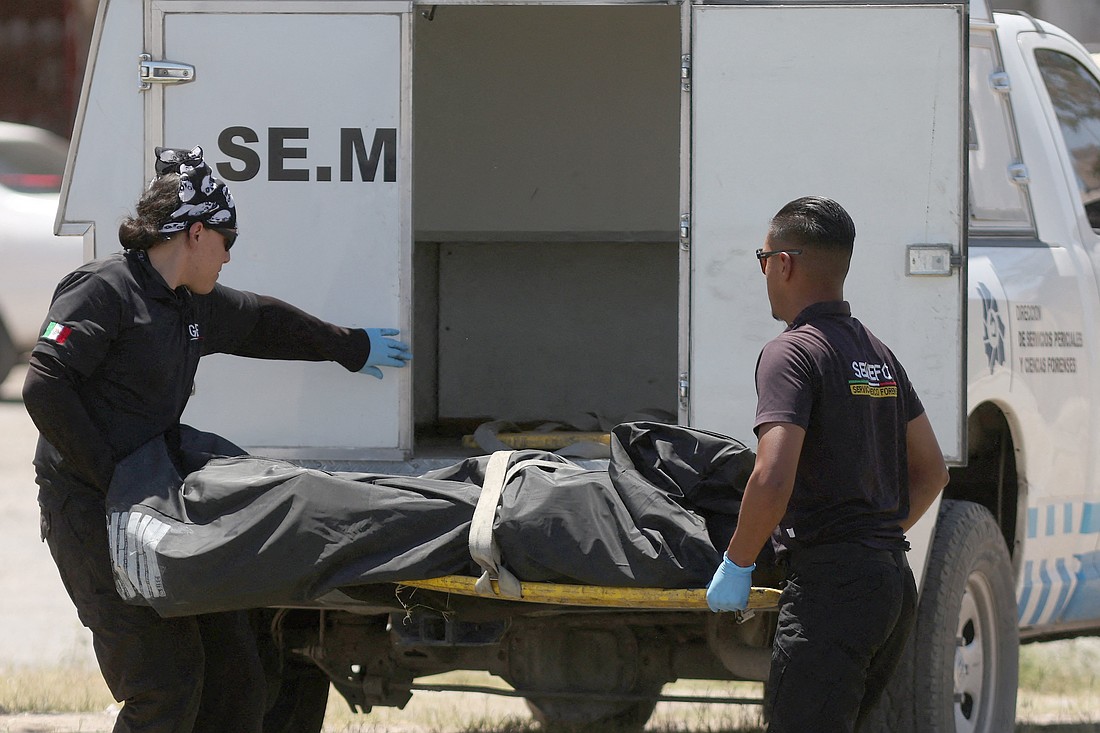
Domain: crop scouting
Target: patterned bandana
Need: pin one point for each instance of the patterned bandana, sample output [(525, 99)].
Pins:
[(203, 197)]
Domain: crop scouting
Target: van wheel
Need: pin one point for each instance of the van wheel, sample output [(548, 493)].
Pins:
[(583, 666), (577, 715), (297, 699), (967, 644)]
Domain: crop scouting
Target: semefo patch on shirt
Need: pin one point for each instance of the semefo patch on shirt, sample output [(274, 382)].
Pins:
[(56, 332), (872, 380)]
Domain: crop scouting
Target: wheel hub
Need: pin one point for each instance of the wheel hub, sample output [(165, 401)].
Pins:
[(971, 657)]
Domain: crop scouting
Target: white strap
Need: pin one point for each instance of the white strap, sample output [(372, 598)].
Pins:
[(483, 546)]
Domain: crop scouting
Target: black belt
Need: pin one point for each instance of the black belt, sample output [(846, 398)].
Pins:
[(842, 551)]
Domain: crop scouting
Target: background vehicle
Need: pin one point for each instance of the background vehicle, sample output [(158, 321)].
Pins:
[(580, 192), (33, 259)]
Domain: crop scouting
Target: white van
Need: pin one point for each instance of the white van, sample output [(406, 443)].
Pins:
[(559, 201)]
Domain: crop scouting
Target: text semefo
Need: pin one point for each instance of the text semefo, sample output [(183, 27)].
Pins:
[(234, 142)]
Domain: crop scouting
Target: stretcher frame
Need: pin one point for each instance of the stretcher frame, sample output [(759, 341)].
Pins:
[(680, 599)]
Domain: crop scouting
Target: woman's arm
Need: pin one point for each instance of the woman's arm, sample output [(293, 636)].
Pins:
[(53, 402)]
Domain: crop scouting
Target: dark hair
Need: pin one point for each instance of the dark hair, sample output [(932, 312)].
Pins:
[(814, 221), (155, 207)]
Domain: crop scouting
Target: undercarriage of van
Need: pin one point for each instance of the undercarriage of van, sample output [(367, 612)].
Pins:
[(584, 667)]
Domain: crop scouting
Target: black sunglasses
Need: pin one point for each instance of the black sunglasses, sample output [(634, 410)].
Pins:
[(763, 256), (229, 234)]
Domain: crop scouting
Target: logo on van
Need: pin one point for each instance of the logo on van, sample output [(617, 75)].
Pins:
[(288, 153), (993, 329)]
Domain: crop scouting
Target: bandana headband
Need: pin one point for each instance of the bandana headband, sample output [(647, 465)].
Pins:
[(203, 196)]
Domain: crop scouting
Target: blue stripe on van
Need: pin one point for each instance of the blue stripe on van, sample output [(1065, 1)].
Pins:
[(1032, 523), (1085, 603), (1090, 518), (1025, 592), (1044, 592), (1063, 593)]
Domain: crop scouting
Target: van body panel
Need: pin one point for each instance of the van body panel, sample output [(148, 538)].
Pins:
[(896, 165), (324, 189)]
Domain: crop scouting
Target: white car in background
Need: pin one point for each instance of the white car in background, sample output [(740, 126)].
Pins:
[(32, 258)]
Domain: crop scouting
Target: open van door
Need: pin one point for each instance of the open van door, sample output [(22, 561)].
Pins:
[(310, 132), (864, 104), (861, 103)]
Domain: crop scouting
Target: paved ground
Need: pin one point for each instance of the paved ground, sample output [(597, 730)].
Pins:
[(37, 622)]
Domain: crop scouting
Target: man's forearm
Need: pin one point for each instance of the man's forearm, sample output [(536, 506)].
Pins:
[(926, 470), (768, 490), (762, 508)]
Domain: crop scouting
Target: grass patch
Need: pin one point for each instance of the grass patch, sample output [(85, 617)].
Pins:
[(454, 712), (1068, 667), (1059, 686), (1059, 691), (67, 689)]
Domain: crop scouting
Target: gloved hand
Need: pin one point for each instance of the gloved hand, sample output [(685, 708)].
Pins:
[(385, 351), (729, 588)]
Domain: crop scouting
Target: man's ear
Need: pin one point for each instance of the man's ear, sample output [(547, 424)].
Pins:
[(787, 261), (194, 230)]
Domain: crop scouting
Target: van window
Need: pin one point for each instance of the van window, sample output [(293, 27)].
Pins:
[(1075, 94), (997, 203)]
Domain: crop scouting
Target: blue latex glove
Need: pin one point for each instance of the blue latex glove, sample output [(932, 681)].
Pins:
[(385, 351), (729, 588)]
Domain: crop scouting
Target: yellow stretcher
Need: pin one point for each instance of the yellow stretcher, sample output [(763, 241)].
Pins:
[(594, 595)]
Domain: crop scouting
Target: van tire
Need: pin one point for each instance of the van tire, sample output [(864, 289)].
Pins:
[(581, 668), (577, 715), (967, 643), (893, 713), (297, 699)]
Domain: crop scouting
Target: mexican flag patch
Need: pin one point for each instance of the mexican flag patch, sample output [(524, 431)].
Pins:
[(56, 332)]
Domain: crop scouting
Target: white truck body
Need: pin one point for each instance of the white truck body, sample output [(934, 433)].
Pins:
[(1033, 311), (558, 202)]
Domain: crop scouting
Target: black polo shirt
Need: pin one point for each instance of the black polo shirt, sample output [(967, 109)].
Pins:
[(115, 365), (831, 376)]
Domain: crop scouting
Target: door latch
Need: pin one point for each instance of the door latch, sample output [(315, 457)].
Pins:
[(931, 260)]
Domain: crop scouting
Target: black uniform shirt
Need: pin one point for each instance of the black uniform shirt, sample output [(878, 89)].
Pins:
[(115, 365), (829, 375)]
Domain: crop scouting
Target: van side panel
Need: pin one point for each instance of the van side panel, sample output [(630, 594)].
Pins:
[(104, 175)]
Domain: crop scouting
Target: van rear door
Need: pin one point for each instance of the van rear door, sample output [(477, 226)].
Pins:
[(302, 108), (862, 103)]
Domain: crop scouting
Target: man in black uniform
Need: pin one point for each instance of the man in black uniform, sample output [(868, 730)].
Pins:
[(846, 463), (114, 369)]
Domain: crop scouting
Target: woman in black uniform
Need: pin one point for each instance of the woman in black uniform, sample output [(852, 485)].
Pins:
[(114, 369)]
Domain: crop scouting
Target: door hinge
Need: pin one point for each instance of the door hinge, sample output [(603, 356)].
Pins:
[(685, 72), (999, 82), (162, 72), (684, 389), (1017, 173), (685, 231)]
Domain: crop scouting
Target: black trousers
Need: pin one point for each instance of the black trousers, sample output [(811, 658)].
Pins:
[(193, 674), (844, 619)]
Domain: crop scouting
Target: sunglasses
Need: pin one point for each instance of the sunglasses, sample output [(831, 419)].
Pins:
[(230, 236), (763, 256)]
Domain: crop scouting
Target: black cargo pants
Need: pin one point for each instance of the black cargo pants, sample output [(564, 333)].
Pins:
[(193, 674), (844, 619)]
